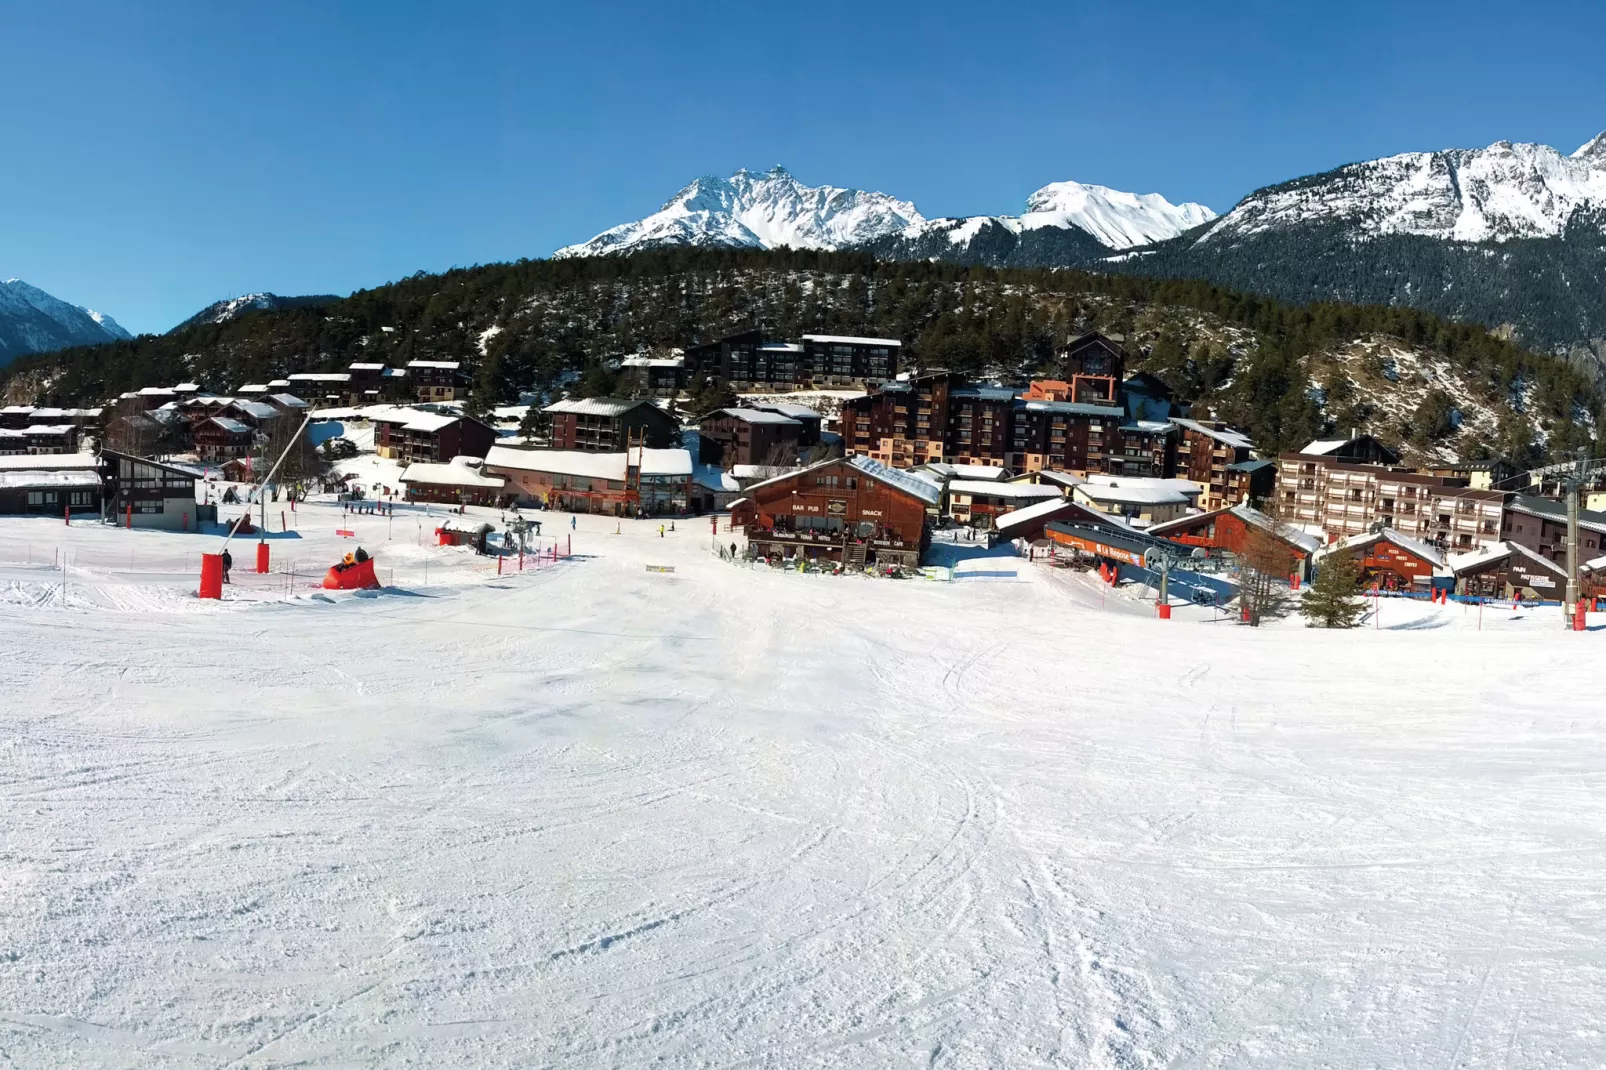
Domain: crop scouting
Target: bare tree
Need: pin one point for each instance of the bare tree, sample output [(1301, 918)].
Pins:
[(1264, 565)]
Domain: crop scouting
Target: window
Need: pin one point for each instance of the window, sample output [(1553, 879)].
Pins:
[(148, 505)]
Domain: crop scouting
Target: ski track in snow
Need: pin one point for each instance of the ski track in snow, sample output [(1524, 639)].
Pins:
[(594, 816)]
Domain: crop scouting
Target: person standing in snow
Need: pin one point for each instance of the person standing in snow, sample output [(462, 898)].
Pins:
[(228, 563), (572, 521)]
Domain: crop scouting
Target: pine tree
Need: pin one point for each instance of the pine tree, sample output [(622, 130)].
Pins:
[(1334, 600)]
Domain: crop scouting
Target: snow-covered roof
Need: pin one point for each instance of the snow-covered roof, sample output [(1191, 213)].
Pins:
[(1124, 494), (780, 347), (1288, 533), (37, 479), (257, 410), (1064, 479), (1546, 509), (49, 429), (1488, 555), (252, 388), (16, 409), (420, 420), (465, 525), (444, 365), (796, 412), (653, 362), (290, 401), (978, 488), (594, 406), (1078, 408), (1185, 487), (851, 340), (1236, 439), (924, 489), (1323, 446), (754, 416), (670, 462), (365, 367), (764, 471), (1026, 514), (233, 427), (459, 472), (319, 377), (1417, 547)]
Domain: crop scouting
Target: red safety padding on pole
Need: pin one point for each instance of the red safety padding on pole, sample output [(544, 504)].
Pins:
[(1165, 610), (211, 576), (1293, 581), (262, 557)]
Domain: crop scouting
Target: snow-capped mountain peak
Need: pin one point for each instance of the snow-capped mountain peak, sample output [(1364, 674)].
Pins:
[(770, 209), (33, 321), (758, 210), (1593, 151), (1117, 219), (1505, 191)]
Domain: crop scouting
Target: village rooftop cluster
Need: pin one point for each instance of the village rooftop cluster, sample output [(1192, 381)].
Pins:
[(1094, 464)]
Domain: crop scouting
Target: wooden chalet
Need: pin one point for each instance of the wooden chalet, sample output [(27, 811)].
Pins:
[(460, 481), (1389, 559), (610, 425), (852, 510), (635, 482), (740, 435), (1229, 529), (1093, 365), (413, 435), (1505, 569)]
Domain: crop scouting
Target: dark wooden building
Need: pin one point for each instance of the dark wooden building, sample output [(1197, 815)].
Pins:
[(1065, 436), (1388, 559), (435, 380), (610, 425), (50, 485), (1230, 528), (145, 493), (749, 436), (1093, 365), (849, 509), (847, 360), (1506, 568), (1540, 524), (412, 435), (1207, 450)]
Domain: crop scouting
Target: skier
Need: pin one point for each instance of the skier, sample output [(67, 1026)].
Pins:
[(228, 563), (573, 522), (660, 531)]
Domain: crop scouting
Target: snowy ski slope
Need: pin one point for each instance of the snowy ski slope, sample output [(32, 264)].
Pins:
[(598, 816)]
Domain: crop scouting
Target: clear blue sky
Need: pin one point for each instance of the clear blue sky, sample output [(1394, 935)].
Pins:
[(156, 157)]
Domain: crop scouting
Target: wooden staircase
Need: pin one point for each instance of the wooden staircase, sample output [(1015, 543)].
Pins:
[(853, 554)]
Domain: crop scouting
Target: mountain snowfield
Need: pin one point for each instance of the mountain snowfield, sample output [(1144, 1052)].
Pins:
[(32, 320), (774, 209), (1503, 192)]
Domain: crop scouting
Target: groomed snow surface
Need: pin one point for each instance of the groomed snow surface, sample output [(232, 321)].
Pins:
[(592, 815)]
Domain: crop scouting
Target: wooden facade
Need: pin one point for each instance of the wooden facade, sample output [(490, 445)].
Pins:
[(609, 425), (749, 436), (851, 510), (1388, 560), (1504, 572)]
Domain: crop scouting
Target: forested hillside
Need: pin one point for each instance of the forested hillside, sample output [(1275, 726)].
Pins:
[(1277, 369)]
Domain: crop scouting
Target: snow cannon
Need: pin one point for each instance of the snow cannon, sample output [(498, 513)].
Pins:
[(353, 577)]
